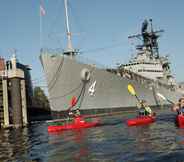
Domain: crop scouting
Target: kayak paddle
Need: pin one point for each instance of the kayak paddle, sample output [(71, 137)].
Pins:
[(73, 102), (164, 98), (132, 91)]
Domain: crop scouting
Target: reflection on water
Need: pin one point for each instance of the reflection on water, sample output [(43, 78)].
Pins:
[(74, 145), (114, 141), (14, 143)]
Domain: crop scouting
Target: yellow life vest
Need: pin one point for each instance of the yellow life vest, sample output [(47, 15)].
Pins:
[(148, 109)]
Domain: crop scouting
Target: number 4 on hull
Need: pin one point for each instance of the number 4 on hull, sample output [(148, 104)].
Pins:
[(92, 89)]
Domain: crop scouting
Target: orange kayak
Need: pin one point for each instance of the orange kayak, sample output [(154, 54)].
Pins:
[(76, 123), (141, 120), (180, 120)]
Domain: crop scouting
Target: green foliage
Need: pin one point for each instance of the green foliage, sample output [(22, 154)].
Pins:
[(40, 99)]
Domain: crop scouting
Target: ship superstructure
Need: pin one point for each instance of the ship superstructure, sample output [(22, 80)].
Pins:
[(148, 62)]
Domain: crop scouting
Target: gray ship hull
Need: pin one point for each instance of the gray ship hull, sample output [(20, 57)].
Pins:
[(63, 75)]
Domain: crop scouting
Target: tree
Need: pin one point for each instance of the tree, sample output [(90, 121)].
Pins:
[(40, 99)]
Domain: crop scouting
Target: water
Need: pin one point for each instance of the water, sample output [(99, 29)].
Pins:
[(114, 141)]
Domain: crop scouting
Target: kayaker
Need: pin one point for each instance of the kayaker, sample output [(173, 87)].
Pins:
[(74, 114), (144, 109), (70, 115), (179, 107)]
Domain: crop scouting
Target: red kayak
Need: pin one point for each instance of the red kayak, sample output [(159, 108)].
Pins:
[(180, 120), (141, 120), (76, 123)]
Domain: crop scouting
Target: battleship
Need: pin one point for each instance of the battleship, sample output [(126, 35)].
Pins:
[(98, 88)]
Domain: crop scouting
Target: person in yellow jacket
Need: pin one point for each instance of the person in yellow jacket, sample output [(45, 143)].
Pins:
[(144, 109)]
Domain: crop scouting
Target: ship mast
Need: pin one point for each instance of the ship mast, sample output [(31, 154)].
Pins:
[(69, 50), (149, 39)]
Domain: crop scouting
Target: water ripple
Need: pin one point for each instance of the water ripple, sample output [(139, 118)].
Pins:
[(113, 141)]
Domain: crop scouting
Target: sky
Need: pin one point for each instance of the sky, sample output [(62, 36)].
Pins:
[(100, 30)]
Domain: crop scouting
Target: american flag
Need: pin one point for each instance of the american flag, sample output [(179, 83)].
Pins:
[(42, 10)]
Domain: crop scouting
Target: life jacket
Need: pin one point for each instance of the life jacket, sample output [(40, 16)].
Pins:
[(144, 111), (148, 109)]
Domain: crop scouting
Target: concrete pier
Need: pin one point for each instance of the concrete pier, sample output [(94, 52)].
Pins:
[(13, 101), (16, 102), (24, 103), (5, 103)]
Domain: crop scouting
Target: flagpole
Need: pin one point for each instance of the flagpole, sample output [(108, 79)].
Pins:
[(40, 28), (42, 13), (69, 45)]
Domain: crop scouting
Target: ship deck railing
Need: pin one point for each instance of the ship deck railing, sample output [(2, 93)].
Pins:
[(143, 80)]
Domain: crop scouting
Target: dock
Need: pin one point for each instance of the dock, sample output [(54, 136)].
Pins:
[(13, 92)]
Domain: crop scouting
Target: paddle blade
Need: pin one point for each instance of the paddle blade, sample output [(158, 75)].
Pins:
[(161, 96), (131, 90), (73, 101), (164, 98)]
